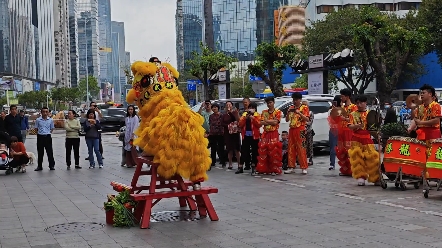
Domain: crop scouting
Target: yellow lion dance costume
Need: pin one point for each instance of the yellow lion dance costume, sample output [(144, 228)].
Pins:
[(169, 129)]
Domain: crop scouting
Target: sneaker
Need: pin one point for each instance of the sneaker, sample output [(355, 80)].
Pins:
[(239, 171), (304, 172), (68, 167), (361, 182), (77, 167), (332, 167), (91, 166), (289, 171), (100, 166)]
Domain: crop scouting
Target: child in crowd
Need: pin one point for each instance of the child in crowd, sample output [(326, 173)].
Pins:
[(3, 154), (285, 145)]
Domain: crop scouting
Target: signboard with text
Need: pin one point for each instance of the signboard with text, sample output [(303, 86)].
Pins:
[(315, 83)]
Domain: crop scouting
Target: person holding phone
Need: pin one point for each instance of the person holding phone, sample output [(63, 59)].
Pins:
[(98, 115), (250, 123), (333, 133), (298, 116), (92, 127)]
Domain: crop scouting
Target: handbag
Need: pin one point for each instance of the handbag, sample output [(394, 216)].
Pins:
[(233, 127)]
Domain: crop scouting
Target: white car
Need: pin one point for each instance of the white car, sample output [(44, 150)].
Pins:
[(319, 105)]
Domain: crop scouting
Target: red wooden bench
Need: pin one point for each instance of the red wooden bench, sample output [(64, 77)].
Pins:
[(178, 188)]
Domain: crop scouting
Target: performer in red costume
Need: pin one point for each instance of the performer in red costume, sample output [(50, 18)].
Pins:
[(270, 149), (345, 134)]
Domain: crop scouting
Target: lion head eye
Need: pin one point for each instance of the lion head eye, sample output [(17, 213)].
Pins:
[(145, 81)]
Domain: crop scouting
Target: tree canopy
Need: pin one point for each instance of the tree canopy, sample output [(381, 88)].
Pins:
[(94, 88), (331, 36), (210, 62), (391, 45), (387, 47), (271, 61), (33, 99), (430, 15)]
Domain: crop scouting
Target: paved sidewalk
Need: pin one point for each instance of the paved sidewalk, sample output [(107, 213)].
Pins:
[(320, 209)]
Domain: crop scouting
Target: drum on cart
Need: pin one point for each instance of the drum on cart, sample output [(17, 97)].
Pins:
[(405, 154), (434, 162)]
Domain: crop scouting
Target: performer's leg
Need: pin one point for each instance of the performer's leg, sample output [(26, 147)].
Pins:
[(301, 143), (344, 145), (292, 152), (372, 163), (357, 163), (261, 167)]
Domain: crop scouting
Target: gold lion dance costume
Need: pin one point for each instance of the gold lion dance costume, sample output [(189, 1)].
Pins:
[(364, 158), (169, 129)]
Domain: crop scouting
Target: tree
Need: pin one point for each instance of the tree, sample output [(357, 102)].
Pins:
[(331, 36), (271, 61), (33, 99), (430, 16), (301, 82), (94, 88), (391, 44), (65, 95), (129, 75), (210, 62), (238, 91)]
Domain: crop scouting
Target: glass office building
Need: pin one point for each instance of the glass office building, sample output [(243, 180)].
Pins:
[(265, 19), (88, 37), (104, 22), (17, 40), (237, 27), (73, 42)]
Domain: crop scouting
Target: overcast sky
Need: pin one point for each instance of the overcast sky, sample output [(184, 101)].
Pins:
[(149, 28)]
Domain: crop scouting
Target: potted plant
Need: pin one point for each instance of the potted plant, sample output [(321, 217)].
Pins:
[(119, 210)]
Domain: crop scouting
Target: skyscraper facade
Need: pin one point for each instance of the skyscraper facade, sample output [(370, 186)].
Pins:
[(73, 42), (115, 65), (265, 19), (105, 29), (318, 9), (118, 27), (5, 49), (88, 38), (46, 41), (192, 21), (237, 33), (61, 42), (128, 62), (17, 41)]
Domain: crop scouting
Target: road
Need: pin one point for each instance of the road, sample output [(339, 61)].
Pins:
[(320, 209)]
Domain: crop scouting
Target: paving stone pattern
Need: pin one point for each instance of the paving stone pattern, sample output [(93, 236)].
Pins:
[(320, 209)]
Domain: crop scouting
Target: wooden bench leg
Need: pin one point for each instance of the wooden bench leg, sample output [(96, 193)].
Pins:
[(201, 206), (191, 203), (183, 202), (204, 201), (145, 220), (139, 209)]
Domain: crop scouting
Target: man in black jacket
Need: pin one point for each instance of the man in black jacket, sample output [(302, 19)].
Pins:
[(2, 121), (13, 123)]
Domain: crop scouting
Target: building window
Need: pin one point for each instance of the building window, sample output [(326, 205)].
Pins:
[(325, 9), (407, 6), (349, 6), (384, 6)]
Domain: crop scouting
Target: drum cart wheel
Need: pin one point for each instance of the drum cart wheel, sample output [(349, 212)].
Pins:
[(383, 183), (426, 191), (417, 185), (403, 186)]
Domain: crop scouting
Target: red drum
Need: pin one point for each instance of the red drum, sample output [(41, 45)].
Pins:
[(434, 162), (405, 152)]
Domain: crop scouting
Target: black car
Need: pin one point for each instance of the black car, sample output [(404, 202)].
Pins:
[(112, 120)]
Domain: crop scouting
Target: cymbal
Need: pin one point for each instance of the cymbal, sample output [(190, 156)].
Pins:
[(338, 111), (413, 101)]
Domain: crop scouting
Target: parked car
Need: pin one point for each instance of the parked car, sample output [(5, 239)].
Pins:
[(112, 120), (319, 105)]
